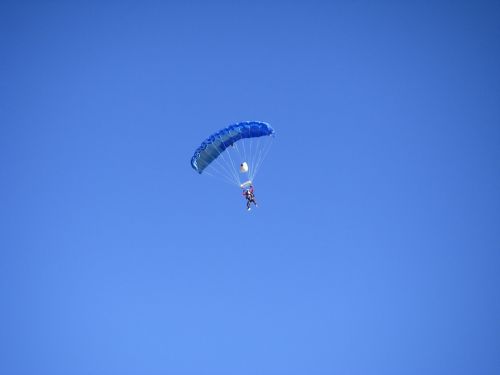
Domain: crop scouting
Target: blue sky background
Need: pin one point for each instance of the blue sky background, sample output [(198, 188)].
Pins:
[(376, 246)]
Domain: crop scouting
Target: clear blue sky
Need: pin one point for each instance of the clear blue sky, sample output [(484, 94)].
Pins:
[(376, 245)]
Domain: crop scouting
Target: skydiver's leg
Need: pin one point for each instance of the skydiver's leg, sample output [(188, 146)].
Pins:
[(248, 204)]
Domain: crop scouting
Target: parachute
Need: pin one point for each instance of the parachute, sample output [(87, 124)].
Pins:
[(235, 153)]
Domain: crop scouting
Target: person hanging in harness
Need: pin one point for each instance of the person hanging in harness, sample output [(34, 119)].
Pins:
[(250, 197)]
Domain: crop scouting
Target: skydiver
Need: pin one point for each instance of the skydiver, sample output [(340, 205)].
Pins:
[(250, 197)]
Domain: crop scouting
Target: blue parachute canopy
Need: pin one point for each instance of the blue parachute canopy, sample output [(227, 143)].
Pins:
[(218, 142)]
